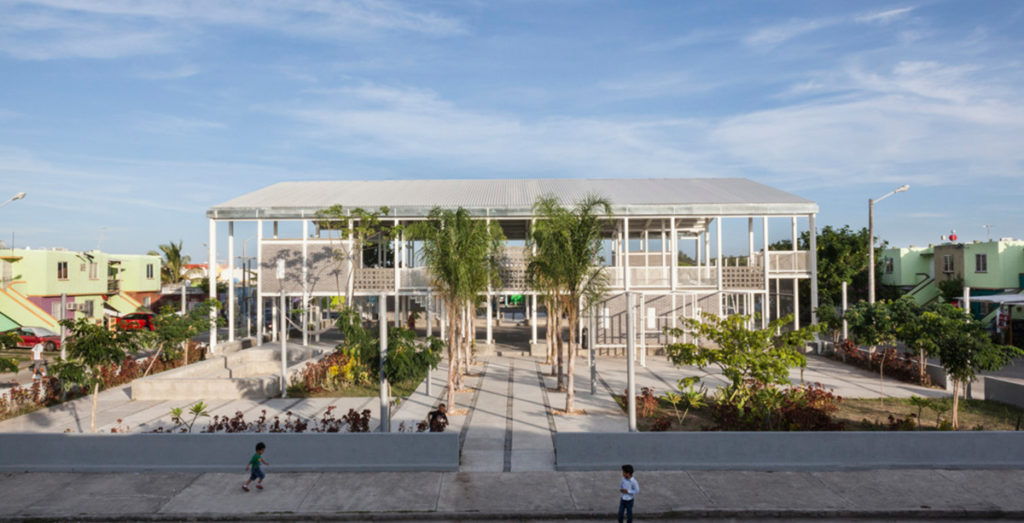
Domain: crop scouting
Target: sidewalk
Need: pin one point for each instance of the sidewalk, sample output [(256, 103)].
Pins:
[(878, 494)]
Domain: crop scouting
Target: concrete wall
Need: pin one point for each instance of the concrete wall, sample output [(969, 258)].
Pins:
[(1004, 390), (326, 272), (229, 452), (788, 450)]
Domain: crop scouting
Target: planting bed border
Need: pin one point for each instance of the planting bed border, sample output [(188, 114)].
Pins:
[(319, 452), (788, 450)]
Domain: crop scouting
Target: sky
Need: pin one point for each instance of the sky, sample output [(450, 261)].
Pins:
[(124, 121)]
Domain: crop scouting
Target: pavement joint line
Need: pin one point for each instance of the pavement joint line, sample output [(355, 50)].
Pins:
[(309, 491), (508, 418), (547, 406), (838, 493), (707, 497), (472, 407)]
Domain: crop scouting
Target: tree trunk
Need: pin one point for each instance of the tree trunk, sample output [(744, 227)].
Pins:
[(152, 360), (569, 392), (452, 369), (956, 404), (186, 352), (560, 348), (95, 402), (922, 364), (548, 340), (472, 335), (458, 330), (881, 379)]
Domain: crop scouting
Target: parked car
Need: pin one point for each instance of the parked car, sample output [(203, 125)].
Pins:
[(30, 336), (136, 321)]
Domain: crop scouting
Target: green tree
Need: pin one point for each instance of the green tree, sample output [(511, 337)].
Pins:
[(873, 324), (89, 348), (951, 289), (568, 246), (462, 257), (173, 266), (830, 321), (747, 357), (8, 341), (964, 348), (173, 330), (911, 330), (359, 226), (842, 256)]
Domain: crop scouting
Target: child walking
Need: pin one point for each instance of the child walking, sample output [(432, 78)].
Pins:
[(628, 487), (257, 473)]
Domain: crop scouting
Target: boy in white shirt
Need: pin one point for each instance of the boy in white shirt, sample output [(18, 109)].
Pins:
[(628, 487), (38, 363)]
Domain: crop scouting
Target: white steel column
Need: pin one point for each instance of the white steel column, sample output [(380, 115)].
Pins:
[(673, 262), (398, 276), (211, 273), (429, 314), (767, 271), (490, 318), (630, 365), (707, 245), (813, 262), (718, 262), (351, 277), (284, 346), (385, 416), (305, 283), (846, 331), (533, 317), (626, 250), (231, 281), (796, 303), (750, 236), (259, 282), (643, 330), (795, 235)]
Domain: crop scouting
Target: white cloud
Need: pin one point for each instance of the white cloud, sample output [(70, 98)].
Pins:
[(177, 73), (884, 16), (417, 125), (173, 125), (50, 29)]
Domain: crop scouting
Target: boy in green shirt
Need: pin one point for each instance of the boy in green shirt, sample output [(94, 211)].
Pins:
[(255, 462)]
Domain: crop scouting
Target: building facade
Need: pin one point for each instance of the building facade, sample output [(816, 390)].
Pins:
[(41, 287), (652, 221)]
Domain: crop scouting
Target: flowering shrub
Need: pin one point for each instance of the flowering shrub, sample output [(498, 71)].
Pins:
[(899, 365), (795, 408), (19, 400), (352, 422)]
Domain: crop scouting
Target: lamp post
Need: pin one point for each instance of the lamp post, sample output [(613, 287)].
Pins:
[(13, 198), (871, 240)]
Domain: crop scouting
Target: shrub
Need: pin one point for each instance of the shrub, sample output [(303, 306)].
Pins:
[(900, 365), (795, 408)]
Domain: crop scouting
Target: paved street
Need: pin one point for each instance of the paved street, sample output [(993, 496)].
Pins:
[(507, 462)]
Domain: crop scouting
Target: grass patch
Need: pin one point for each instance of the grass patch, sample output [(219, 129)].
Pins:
[(19, 355), (863, 414), (871, 414)]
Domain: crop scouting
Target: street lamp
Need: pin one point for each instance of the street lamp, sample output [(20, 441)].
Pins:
[(12, 198), (871, 240)]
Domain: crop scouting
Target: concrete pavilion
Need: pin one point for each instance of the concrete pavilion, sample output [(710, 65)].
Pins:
[(650, 217)]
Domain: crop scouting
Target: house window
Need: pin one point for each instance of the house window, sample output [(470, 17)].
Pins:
[(888, 265), (947, 263), (149, 271), (62, 270), (87, 308), (93, 270), (146, 301), (980, 263)]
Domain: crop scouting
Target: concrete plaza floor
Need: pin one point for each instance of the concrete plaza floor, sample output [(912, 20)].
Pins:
[(507, 462)]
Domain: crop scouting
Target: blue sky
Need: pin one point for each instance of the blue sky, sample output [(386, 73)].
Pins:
[(125, 120)]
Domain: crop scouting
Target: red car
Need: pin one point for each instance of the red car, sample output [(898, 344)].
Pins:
[(136, 321), (30, 336)]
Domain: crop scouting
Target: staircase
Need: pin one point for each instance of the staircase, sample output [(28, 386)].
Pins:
[(21, 310), (924, 292)]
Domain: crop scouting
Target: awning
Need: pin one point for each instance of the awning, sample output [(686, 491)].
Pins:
[(1000, 299)]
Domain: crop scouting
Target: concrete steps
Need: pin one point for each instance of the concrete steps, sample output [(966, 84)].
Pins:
[(246, 374)]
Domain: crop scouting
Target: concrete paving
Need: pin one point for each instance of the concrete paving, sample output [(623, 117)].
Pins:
[(461, 496)]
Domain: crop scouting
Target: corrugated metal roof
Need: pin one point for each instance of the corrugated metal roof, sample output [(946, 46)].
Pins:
[(515, 197)]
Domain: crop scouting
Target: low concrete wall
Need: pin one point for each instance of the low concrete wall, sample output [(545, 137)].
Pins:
[(788, 450), (1004, 390), (229, 452)]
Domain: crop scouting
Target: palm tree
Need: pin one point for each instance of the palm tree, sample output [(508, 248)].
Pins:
[(462, 256), (173, 265), (568, 243)]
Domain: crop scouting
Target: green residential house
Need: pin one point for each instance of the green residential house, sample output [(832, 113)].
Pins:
[(93, 285), (988, 268)]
